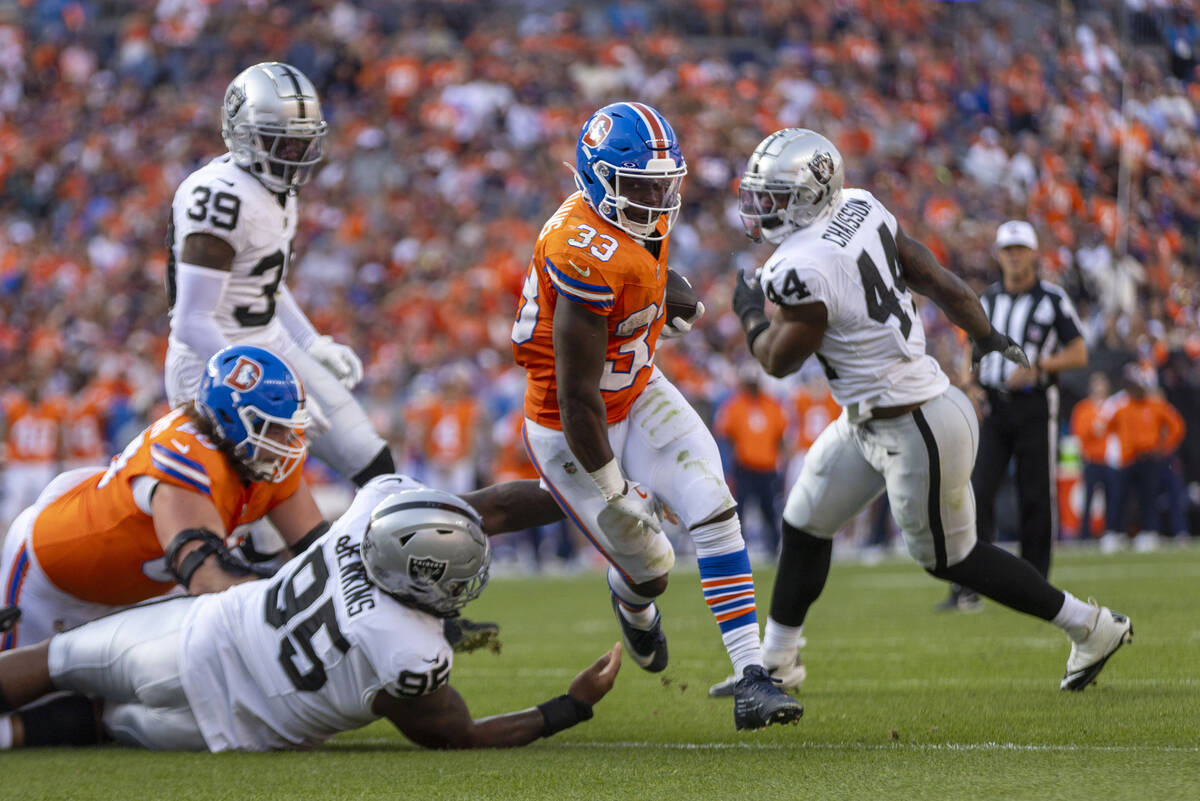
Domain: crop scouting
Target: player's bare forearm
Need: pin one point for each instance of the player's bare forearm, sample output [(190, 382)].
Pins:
[(794, 335), (442, 720), (513, 506), (947, 290), (580, 345), (211, 577)]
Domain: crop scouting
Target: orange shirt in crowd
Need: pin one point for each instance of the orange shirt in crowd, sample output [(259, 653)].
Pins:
[(1089, 423), (33, 429), (755, 425), (98, 543), (1149, 425), (84, 428), (512, 461), (814, 411), (450, 437)]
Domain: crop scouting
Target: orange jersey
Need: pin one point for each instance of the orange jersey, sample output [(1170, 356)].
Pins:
[(582, 257), (1146, 426), (450, 437), (1089, 424), (97, 544), (33, 430), (813, 414), (755, 424), (84, 429)]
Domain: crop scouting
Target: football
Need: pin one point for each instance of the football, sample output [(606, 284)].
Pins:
[(680, 298)]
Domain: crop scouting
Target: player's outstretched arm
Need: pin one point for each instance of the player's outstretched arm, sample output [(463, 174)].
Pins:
[(442, 720), (513, 506), (953, 296)]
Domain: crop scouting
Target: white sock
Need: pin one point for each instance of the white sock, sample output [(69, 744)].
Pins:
[(6, 732), (637, 609), (743, 647), (781, 642), (1076, 618)]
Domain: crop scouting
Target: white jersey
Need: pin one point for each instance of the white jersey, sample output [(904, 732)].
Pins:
[(288, 662), (224, 200), (874, 346)]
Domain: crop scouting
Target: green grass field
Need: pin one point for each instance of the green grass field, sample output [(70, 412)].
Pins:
[(900, 703)]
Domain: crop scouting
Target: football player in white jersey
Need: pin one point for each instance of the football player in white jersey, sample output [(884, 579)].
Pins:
[(345, 634), (230, 246), (840, 279)]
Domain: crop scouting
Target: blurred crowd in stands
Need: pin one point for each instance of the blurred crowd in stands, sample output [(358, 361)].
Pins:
[(450, 121)]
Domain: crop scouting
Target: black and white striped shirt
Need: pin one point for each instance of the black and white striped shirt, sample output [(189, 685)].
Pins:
[(1041, 320)]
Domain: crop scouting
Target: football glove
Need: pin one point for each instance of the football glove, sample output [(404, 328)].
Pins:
[(679, 326), (749, 302), (631, 518), (996, 341), (340, 360)]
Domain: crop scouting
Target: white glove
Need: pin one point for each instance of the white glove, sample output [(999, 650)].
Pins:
[(631, 518), (337, 359), (679, 326)]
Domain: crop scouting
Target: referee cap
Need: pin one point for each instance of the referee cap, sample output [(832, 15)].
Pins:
[(1016, 232)]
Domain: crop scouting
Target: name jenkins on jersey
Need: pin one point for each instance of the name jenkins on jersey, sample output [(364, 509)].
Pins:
[(873, 351)]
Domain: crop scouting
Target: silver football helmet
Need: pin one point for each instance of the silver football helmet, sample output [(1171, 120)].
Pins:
[(427, 548), (793, 176), (272, 124)]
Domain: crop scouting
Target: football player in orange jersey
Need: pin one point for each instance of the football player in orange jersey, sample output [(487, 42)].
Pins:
[(98, 539), (33, 446), (611, 438)]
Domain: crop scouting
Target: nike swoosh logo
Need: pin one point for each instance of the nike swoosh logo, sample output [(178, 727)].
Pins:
[(584, 273), (182, 448), (227, 183), (639, 492)]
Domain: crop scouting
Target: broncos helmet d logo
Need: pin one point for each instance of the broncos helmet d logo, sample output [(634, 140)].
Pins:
[(423, 568), (821, 166), (245, 375), (598, 131)]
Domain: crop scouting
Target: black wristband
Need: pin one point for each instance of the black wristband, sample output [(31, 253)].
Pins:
[(308, 539), (563, 712), (753, 334), (992, 342), (210, 543)]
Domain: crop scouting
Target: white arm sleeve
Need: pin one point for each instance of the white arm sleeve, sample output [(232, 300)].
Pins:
[(198, 291), (294, 321)]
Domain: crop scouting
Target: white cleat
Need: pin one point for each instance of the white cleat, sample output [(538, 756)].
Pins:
[(789, 677), (1088, 656)]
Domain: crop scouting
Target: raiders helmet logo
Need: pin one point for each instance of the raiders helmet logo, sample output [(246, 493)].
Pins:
[(598, 131), (821, 166), (234, 99), (245, 375), (423, 568)]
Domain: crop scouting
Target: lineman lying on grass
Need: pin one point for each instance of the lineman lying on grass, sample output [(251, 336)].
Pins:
[(345, 634)]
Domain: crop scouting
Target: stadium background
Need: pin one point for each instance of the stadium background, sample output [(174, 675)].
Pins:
[(450, 120)]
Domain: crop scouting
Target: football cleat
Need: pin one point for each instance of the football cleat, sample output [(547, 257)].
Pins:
[(1089, 655), (648, 647), (465, 635), (758, 701), (788, 676)]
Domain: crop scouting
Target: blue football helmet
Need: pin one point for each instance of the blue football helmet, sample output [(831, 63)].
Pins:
[(629, 166), (256, 402)]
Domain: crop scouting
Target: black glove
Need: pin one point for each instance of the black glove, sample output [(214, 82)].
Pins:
[(996, 341), (749, 302)]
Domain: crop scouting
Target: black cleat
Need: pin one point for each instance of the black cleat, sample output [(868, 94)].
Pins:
[(9, 615), (465, 635), (758, 702), (647, 647)]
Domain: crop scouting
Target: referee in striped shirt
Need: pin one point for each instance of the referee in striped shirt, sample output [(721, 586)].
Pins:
[(1021, 418)]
